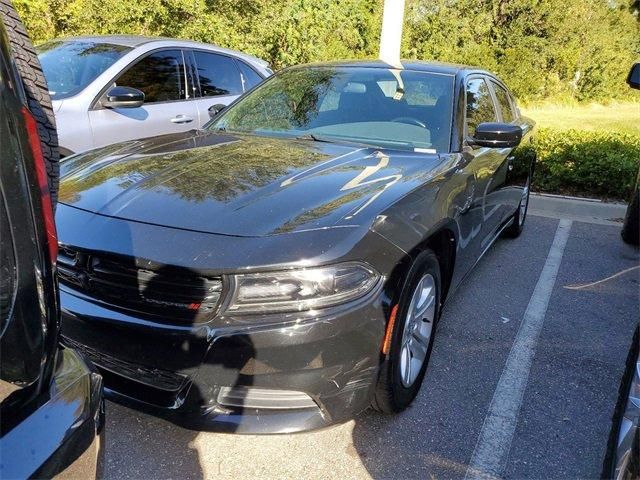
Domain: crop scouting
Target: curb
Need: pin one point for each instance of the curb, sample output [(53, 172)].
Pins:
[(579, 209)]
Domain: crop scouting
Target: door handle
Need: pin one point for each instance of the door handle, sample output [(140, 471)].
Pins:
[(181, 119)]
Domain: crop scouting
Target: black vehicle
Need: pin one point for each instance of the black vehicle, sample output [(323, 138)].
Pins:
[(631, 227), (622, 458), (285, 268), (51, 406)]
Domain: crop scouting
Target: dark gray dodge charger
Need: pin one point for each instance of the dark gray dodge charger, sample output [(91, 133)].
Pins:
[(285, 268)]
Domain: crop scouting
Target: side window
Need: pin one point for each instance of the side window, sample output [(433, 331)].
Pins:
[(160, 76), (502, 96), (218, 74), (480, 106), (514, 107), (249, 77)]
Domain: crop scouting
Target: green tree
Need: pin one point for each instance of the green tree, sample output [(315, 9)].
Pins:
[(579, 49), (559, 49)]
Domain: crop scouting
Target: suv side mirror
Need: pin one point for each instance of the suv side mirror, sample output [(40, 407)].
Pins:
[(634, 76), (216, 109), (496, 135), (123, 97)]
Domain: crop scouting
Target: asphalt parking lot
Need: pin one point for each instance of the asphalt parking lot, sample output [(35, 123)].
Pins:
[(548, 413)]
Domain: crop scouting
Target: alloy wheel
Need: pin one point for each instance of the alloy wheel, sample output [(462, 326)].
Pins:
[(418, 326), (524, 201)]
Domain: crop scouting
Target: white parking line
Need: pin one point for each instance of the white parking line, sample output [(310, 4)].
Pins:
[(494, 442)]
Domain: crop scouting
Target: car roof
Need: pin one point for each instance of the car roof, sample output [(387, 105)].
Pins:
[(417, 65), (134, 41)]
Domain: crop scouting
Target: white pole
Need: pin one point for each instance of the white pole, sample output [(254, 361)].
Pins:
[(391, 34)]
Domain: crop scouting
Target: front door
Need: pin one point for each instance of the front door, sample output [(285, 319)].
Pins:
[(514, 174), (487, 162), (168, 106)]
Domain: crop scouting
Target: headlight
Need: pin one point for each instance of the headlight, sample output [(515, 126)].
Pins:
[(301, 289)]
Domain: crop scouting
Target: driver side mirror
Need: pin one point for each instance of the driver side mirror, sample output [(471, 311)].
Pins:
[(634, 76), (216, 109), (123, 97), (496, 135)]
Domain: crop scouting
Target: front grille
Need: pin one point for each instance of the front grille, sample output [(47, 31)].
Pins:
[(167, 292), (153, 377)]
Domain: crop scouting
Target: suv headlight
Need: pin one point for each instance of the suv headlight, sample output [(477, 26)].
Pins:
[(301, 289)]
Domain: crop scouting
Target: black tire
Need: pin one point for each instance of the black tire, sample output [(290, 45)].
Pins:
[(391, 396), (35, 86), (631, 227), (519, 217)]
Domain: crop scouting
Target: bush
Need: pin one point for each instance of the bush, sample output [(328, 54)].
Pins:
[(600, 164)]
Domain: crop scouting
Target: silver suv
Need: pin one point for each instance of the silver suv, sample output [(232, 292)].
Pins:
[(107, 89)]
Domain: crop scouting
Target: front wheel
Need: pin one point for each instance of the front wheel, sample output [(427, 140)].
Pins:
[(403, 370), (517, 225)]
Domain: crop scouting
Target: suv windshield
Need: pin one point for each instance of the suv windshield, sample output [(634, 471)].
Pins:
[(376, 106), (69, 66)]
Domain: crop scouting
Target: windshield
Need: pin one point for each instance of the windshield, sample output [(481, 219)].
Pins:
[(69, 66), (375, 106)]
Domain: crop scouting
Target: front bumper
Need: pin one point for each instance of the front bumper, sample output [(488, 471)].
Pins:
[(259, 374), (63, 438)]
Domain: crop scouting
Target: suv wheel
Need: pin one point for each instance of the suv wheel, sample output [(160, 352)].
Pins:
[(36, 91)]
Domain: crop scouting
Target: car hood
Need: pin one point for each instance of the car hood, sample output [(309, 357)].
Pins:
[(242, 185)]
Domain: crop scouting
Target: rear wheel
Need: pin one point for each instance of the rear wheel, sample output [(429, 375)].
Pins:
[(35, 86), (631, 227), (418, 308), (517, 225)]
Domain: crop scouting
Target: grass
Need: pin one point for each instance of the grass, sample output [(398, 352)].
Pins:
[(616, 117)]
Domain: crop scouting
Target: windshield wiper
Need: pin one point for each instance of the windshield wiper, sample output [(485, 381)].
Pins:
[(316, 138)]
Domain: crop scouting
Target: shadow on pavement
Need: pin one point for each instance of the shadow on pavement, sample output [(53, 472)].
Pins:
[(148, 447)]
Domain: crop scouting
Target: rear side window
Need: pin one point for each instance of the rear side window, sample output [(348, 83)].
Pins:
[(160, 76), (480, 106), (504, 103), (419, 93), (249, 77), (218, 75)]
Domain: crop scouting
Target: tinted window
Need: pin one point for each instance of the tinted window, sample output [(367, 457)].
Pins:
[(218, 75), (417, 92), (377, 106), (503, 102), (69, 66), (249, 76), (480, 107), (160, 76)]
